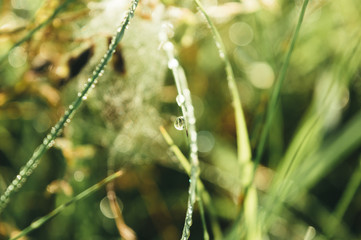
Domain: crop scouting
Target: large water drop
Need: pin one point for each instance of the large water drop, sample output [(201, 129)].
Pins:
[(179, 123)]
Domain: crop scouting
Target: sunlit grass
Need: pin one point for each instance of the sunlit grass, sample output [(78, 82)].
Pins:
[(259, 113)]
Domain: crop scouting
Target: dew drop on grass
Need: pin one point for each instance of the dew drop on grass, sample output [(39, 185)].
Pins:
[(179, 123), (173, 63), (168, 46), (180, 100)]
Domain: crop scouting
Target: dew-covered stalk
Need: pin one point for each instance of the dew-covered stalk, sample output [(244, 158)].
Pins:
[(243, 146), (184, 101), (202, 194), (36, 224), (60, 8), (48, 141)]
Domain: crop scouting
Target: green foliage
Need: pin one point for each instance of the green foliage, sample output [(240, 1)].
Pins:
[(266, 96)]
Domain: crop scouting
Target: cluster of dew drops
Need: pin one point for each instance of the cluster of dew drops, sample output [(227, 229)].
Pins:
[(164, 35)]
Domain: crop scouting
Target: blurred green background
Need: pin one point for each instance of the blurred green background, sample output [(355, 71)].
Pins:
[(118, 125)]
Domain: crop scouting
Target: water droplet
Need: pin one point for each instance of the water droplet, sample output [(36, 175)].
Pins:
[(221, 54), (180, 100), (179, 123), (187, 93), (15, 182), (173, 63), (192, 120), (168, 46), (79, 94), (31, 162), (189, 221), (84, 97), (51, 144), (194, 148), (29, 172)]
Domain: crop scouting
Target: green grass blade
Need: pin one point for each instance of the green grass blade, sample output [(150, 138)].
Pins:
[(347, 140), (345, 200), (203, 195), (48, 141), (243, 144), (185, 102), (38, 223), (272, 105), (350, 191)]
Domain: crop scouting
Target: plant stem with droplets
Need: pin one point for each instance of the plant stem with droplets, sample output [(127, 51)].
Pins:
[(48, 141), (185, 103), (243, 146)]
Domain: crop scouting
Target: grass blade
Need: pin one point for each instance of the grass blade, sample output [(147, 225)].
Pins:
[(345, 201), (203, 195), (185, 102), (48, 141), (38, 223), (243, 145), (272, 105)]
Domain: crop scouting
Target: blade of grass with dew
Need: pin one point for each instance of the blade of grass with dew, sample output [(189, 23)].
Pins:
[(48, 141), (28, 36), (38, 223), (185, 102), (243, 144), (202, 193)]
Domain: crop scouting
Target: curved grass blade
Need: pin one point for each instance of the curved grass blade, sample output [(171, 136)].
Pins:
[(38, 223), (243, 145), (60, 8), (202, 194), (48, 141), (185, 102)]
